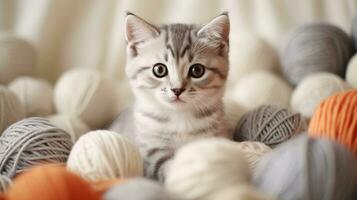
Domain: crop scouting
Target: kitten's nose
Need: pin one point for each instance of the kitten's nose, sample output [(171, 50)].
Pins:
[(177, 91)]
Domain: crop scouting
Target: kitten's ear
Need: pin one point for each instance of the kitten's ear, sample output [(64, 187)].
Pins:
[(218, 28), (138, 30)]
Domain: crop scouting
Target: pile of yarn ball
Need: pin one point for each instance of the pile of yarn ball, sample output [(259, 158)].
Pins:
[(313, 89), (31, 142), (315, 48), (336, 118), (11, 109), (269, 124), (102, 154), (50, 183), (307, 168)]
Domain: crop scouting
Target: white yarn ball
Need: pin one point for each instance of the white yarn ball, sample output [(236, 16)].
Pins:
[(240, 192), (11, 109), (35, 94), (202, 167), (251, 53), (72, 125), (261, 88), (313, 89), (87, 94), (100, 155), (253, 151), (17, 58), (351, 73)]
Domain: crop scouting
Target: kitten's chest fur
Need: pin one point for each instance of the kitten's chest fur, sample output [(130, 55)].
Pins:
[(176, 128)]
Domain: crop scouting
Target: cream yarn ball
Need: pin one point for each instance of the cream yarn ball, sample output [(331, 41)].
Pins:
[(313, 89), (251, 53), (260, 88), (100, 155), (205, 166), (35, 94), (233, 111), (240, 192), (72, 125), (11, 109), (351, 73), (253, 151), (88, 94), (17, 57)]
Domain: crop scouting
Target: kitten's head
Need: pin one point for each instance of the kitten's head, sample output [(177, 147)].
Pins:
[(179, 66)]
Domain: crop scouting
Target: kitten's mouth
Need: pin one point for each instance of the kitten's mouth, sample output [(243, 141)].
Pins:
[(178, 100)]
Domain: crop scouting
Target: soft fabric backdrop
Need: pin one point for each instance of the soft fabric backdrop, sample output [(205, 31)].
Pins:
[(89, 33)]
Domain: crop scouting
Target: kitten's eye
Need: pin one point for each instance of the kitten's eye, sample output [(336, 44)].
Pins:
[(197, 71), (159, 70)]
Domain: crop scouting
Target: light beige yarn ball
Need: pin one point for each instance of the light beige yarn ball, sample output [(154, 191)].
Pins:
[(72, 125), (253, 152), (261, 88), (251, 53), (351, 73), (313, 89), (233, 111), (88, 94), (240, 192), (203, 167), (17, 58), (11, 109), (100, 155), (35, 94)]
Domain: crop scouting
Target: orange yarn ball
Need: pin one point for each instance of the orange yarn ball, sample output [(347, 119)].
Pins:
[(102, 186), (336, 118), (50, 182)]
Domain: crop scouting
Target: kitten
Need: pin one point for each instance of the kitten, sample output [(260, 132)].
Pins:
[(177, 73)]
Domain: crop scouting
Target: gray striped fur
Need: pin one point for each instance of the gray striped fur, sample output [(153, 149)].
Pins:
[(160, 124)]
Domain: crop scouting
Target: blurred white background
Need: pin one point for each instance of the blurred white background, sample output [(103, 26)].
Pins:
[(89, 33)]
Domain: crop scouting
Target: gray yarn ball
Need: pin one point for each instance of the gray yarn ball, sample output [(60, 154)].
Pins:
[(139, 189), (316, 48), (5, 183), (354, 31), (31, 142), (269, 124), (309, 169)]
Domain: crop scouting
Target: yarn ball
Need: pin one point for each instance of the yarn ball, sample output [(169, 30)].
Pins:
[(351, 73), (139, 189), (100, 155), (72, 125), (315, 48), (251, 53), (205, 166), (269, 124), (354, 31), (30, 142), (17, 58), (336, 118), (5, 183), (239, 192), (100, 187), (87, 94), (35, 94), (11, 109), (253, 151), (307, 168), (50, 183), (313, 89), (233, 111), (262, 87)]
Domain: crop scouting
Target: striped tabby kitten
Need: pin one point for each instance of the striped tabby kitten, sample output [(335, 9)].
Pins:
[(177, 73)]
